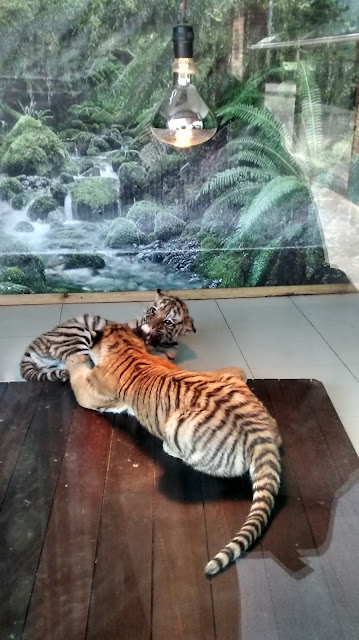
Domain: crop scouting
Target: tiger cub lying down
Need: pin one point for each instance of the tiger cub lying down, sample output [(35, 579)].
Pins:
[(166, 319), (211, 421)]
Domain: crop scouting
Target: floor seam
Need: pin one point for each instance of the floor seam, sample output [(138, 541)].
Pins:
[(324, 340), (234, 338)]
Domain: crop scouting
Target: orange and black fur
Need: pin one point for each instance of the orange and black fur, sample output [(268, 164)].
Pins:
[(166, 318), (212, 421)]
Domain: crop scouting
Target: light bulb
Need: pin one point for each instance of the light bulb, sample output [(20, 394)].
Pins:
[(183, 119)]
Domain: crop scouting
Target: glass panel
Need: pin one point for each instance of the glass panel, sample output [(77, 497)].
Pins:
[(90, 201)]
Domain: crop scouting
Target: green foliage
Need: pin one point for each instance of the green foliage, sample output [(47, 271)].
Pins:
[(12, 274), (58, 192), (34, 149), (93, 196), (132, 180), (41, 207), (167, 165), (9, 187), (18, 201)]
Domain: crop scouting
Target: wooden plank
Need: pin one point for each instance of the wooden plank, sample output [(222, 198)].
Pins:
[(288, 485), (27, 503), (3, 386), (289, 513), (309, 609), (335, 519), (342, 451), (227, 503), (182, 606), (17, 407), (317, 476), (186, 294), (121, 592), (61, 595)]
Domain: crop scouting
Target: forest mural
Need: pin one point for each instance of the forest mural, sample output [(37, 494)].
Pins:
[(90, 201)]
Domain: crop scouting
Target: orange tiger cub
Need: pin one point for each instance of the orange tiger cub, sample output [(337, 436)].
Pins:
[(211, 420)]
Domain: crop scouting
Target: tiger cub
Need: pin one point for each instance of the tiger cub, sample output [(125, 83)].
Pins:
[(166, 319), (211, 421)]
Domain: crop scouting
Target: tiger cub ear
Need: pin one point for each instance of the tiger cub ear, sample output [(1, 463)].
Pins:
[(159, 294), (190, 326)]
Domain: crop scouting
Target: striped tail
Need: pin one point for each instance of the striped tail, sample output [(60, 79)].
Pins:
[(31, 372), (265, 473)]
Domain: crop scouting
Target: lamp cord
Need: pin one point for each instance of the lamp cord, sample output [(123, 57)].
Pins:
[(183, 10)]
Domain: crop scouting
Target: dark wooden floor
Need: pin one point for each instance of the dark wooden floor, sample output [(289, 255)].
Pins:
[(103, 536)]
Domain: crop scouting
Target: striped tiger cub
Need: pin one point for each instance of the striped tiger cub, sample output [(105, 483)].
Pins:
[(165, 320), (44, 359), (211, 421)]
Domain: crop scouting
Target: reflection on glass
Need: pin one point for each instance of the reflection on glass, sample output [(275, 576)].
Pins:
[(183, 119)]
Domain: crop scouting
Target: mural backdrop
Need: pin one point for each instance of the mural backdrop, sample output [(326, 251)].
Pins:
[(89, 201)]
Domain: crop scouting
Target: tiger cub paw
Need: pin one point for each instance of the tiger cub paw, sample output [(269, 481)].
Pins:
[(171, 354)]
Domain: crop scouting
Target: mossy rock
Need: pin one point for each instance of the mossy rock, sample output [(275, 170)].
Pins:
[(132, 180), (56, 219), (85, 165), (84, 260), (97, 146), (82, 141), (129, 155), (78, 124), (12, 274), (94, 197), (114, 139), (9, 288), (24, 227), (18, 201), (117, 159), (167, 226), (58, 192), (14, 253), (122, 232), (66, 178), (10, 187), (41, 207), (31, 148), (167, 165), (143, 213), (68, 233)]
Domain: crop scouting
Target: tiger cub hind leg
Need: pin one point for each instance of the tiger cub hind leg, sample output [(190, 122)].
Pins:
[(193, 437), (87, 384)]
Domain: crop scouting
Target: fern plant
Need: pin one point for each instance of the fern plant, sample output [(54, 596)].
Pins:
[(265, 165)]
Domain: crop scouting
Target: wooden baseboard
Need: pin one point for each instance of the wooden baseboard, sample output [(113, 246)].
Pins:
[(185, 294)]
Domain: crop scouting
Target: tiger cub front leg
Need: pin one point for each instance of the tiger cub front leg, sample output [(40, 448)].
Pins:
[(85, 382)]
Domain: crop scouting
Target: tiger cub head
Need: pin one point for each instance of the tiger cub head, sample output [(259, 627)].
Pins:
[(166, 319)]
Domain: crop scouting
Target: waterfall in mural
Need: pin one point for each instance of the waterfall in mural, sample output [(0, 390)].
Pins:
[(90, 201)]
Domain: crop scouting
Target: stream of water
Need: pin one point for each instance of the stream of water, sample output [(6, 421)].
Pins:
[(123, 271)]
